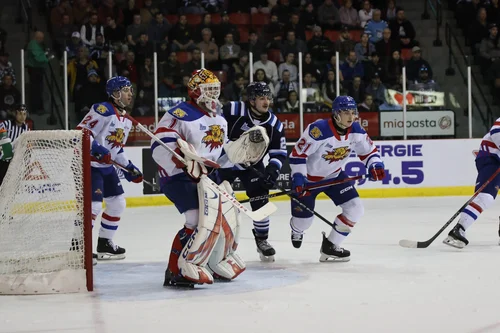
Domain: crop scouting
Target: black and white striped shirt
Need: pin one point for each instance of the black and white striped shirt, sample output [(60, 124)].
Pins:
[(13, 131)]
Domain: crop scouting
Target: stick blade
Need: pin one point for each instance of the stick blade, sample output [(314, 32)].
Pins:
[(408, 243), (263, 212)]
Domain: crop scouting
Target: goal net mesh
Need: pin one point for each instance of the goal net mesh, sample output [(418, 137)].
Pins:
[(42, 246)]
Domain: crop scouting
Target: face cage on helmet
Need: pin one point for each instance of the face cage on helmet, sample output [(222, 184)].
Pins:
[(209, 94)]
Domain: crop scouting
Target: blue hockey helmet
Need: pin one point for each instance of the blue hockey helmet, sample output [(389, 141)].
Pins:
[(258, 89), (116, 84), (344, 103)]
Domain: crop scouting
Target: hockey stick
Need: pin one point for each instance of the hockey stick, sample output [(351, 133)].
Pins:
[(312, 187), (422, 245), (261, 175), (257, 215), (135, 173), (204, 161)]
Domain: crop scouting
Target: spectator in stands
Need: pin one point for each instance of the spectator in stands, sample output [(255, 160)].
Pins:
[(57, 15), (478, 30), (143, 49), (159, 28), (195, 63), (283, 10), (467, 11), (128, 65), (99, 52), (229, 52), (352, 67), (296, 26), (36, 61), (191, 7), (289, 66), (344, 44), (225, 27), (414, 64), (233, 90), (171, 67), (387, 46), (493, 12), (62, 34), (390, 11), (394, 69), (489, 49), (373, 66), (135, 30), (310, 89), (148, 12), (74, 45), (78, 69), (209, 48), (332, 66), (308, 17), (114, 33), (81, 10), (368, 105), (356, 89), (145, 86), (262, 6), (329, 88), (403, 30), (268, 66), (205, 24), (88, 31), (213, 6), (107, 9), (364, 48), (375, 27), (292, 104), (424, 83), (273, 33), (181, 37), (293, 45), (9, 95), (283, 87), (241, 67), (320, 47), (260, 76), (376, 89), (308, 66), (328, 15), (255, 45), (365, 13), (167, 87), (92, 91), (6, 66), (348, 15)]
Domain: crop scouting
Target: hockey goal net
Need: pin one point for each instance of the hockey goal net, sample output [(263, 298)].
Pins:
[(45, 215)]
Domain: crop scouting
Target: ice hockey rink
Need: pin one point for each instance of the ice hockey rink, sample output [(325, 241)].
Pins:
[(384, 288)]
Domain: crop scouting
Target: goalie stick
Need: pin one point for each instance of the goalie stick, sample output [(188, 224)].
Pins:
[(312, 187), (256, 215), (422, 245)]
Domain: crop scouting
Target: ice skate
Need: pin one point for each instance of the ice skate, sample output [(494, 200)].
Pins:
[(297, 240), (107, 250), (265, 250), (456, 237), (332, 252), (178, 281)]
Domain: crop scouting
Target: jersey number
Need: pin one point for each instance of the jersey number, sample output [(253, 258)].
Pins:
[(303, 146), (91, 124)]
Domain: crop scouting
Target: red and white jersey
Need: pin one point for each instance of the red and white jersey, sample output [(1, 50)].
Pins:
[(109, 129), (321, 152), (186, 121), (490, 146)]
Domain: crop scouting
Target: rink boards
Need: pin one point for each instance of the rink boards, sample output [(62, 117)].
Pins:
[(414, 168)]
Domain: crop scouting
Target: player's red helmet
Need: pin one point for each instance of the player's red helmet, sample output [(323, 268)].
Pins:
[(204, 89)]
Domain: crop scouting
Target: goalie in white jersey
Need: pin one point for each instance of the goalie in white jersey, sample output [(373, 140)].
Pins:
[(320, 155), (204, 247)]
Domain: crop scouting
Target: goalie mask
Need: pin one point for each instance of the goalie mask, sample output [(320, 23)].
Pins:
[(204, 89)]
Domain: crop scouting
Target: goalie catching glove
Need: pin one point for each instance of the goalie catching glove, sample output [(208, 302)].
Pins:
[(191, 167), (249, 148)]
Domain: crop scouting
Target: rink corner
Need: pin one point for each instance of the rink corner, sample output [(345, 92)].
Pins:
[(161, 200)]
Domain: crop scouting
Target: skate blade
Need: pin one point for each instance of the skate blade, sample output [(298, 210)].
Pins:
[(450, 241), (110, 256), (329, 258), (264, 258)]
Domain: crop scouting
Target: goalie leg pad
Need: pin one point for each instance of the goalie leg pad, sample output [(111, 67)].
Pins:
[(224, 261), (249, 148), (196, 253)]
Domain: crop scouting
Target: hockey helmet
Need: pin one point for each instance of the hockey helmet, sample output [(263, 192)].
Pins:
[(341, 104), (117, 83), (258, 89), (204, 89)]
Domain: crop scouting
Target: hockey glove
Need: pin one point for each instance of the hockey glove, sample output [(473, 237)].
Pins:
[(298, 182), (134, 175), (376, 171), (272, 173), (101, 153)]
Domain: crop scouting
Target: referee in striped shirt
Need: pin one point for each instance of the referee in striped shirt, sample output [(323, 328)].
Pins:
[(14, 128)]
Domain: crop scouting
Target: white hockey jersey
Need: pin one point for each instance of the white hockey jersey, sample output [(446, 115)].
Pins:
[(109, 129), (321, 152), (207, 134), (490, 146)]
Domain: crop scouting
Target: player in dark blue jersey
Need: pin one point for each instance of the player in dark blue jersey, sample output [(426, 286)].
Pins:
[(241, 116)]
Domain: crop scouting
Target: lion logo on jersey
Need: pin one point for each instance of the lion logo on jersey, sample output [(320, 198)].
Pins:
[(336, 154), (116, 138), (214, 137)]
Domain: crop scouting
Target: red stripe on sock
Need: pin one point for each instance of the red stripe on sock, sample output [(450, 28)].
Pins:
[(110, 218), (345, 220), (476, 207), (94, 217)]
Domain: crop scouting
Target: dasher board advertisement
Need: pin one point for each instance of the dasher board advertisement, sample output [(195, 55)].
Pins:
[(418, 123)]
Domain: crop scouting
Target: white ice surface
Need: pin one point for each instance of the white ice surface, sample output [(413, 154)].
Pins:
[(384, 288)]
